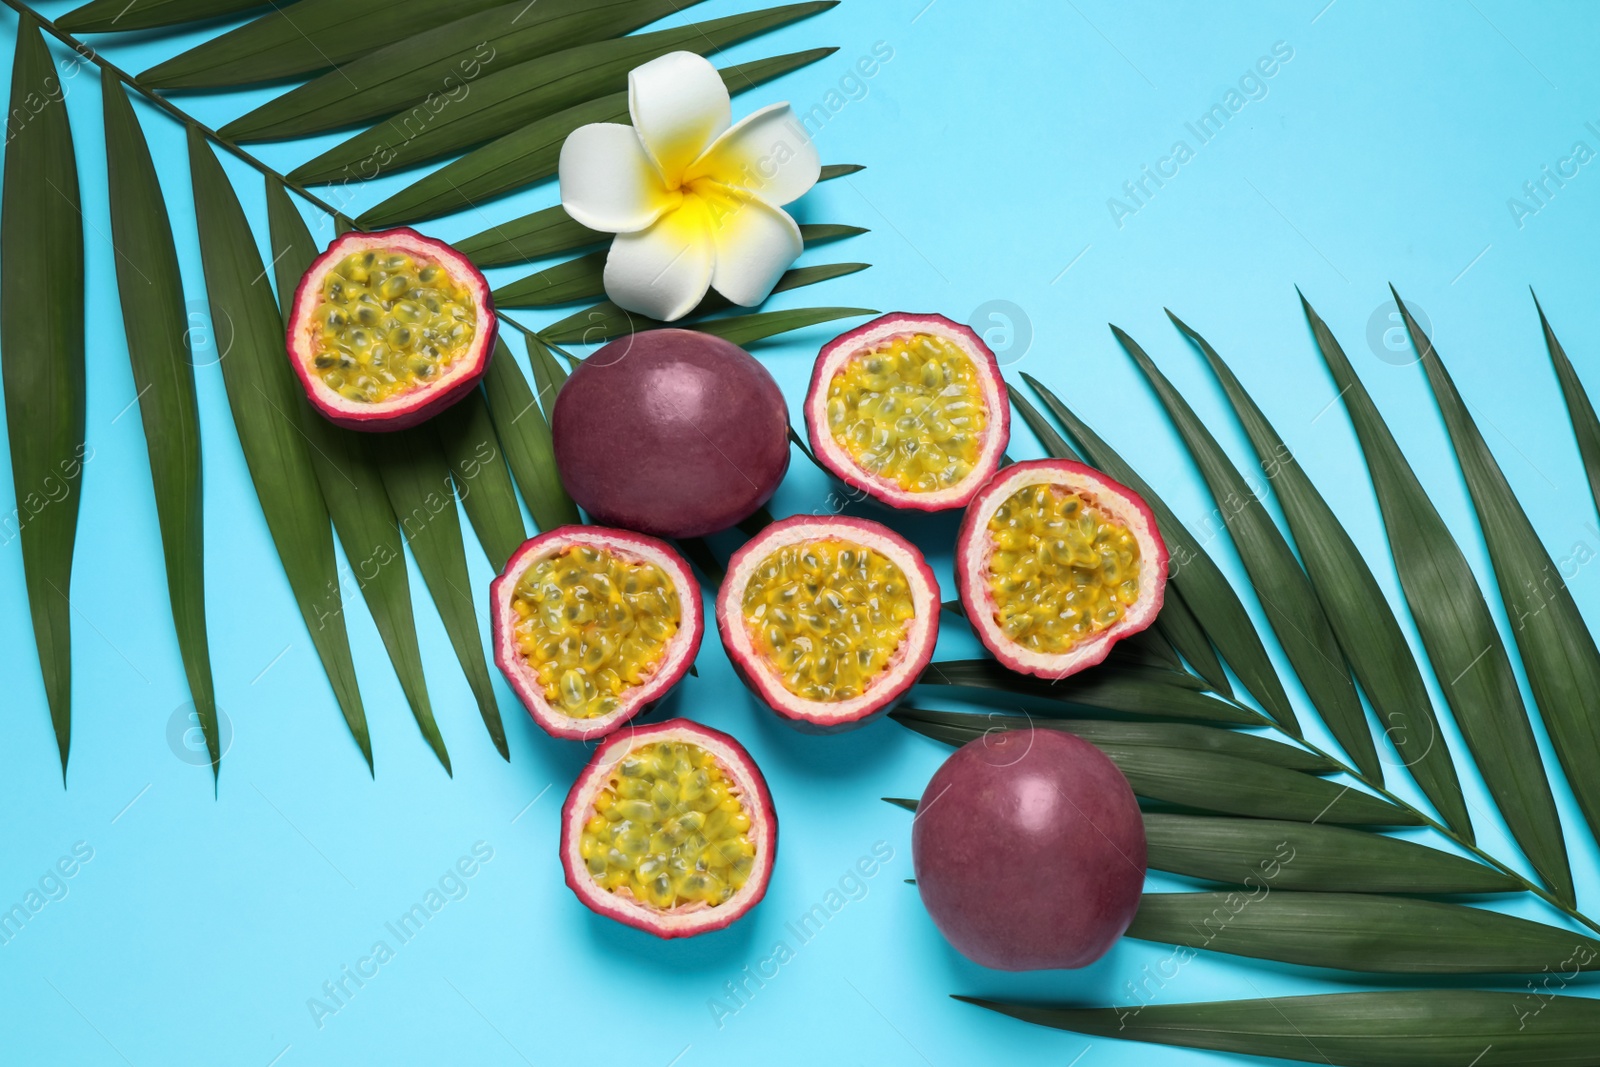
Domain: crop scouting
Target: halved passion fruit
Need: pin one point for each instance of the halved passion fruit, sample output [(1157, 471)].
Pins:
[(388, 329), (592, 626), (910, 409), (670, 829), (1056, 563), (828, 619)]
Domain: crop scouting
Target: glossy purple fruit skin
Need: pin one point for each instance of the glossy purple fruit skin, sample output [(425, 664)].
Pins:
[(1029, 851), (673, 433)]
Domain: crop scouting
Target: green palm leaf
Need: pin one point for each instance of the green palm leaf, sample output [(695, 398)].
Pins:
[(1356, 608), (1457, 631), (100, 16), (443, 61), (547, 232), (352, 487), (303, 37), (1195, 576), (483, 484), (1214, 781), (1310, 856), (422, 490), (1290, 603), (959, 727), (1389, 1028), (1175, 622), (1142, 693), (505, 100), (1585, 426), (41, 356), (532, 152), (1359, 932), (265, 401), (525, 435), (548, 373), (157, 327), (1558, 652)]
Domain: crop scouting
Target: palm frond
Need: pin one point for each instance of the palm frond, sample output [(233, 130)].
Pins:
[(1356, 608), (1558, 652), (42, 358), (1469, 660), (156, 325), (508, 99), (266, 401), (443, 60)]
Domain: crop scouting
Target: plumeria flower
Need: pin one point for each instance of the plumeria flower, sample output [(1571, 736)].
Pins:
[(695, 203)]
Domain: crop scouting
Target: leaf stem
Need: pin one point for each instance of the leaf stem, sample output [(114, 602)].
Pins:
[(216, 138)]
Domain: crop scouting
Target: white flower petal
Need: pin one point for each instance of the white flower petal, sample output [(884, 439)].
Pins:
[(768, 152), (755, 243), (608, 182), (663, 271), (679, 106)]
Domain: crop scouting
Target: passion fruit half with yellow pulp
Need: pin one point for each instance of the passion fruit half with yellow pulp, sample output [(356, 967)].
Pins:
[(670, 829), (828, 619), (1056, 563), (910, 409), (592, 626), (388, 329)]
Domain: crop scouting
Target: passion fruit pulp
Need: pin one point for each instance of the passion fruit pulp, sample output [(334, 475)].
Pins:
[(1055, 563), (910, 409), (669, 829), (592, 626), (388, 329), (1029, 850), (828, 619), (674, 433)]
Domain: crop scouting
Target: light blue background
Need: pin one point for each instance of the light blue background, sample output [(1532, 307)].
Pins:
[(1384, 150)]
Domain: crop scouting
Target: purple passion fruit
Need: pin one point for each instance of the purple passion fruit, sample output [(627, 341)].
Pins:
[(1029, 851), (671, 432)]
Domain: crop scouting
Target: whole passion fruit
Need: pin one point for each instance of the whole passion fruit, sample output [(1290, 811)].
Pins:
[(670, 829), (592, 626), (910, 409), (671, 432), (1056, 563), (1029, 851), (828, 619), (388, 329)]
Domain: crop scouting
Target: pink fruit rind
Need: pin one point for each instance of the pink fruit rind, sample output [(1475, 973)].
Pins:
[(698, 918), (674, 664), (420, 404), (974, 545), (843, 466), (901, 673)]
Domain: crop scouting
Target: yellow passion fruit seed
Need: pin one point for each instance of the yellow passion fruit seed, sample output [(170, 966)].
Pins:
[(828, 616), (387, 323), (669, 829), (592, 625), (910, 411), (1062, 570)]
